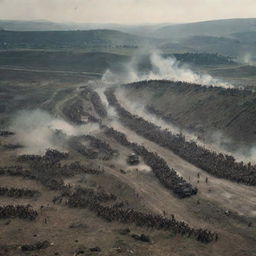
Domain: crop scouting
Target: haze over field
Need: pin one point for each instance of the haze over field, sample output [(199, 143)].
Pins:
[(127, 127), (126, 11)]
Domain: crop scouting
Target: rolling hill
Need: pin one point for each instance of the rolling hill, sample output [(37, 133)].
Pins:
[(96, 62), (207, 28), (67, 39)]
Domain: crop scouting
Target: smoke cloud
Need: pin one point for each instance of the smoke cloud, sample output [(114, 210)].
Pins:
[(247, 59), (37, 131), (162, 69), (215, 141)]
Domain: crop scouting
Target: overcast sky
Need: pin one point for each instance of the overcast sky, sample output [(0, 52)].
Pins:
[(126, 11)]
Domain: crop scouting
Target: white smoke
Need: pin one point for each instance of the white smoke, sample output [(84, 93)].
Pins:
[(215, 141), (247, 59), (162, 69), (37, 131)]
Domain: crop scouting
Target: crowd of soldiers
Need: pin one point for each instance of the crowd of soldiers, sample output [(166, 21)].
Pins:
[(47, 169), (51, 155), (36, 246), (85, 198), (218, 164), (18, 192), (16, 170), (6, 133), (76, 144), (76, 168), (102, 146), (96, 148), (167, 176), (97, 104), (10, 146), (51, 175), (74, 111), (154, 221), (18, 211)]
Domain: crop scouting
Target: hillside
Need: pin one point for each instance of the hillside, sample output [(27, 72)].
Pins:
[(207, 28), (203, 58), (204, 111), (248, 36), (96, 62), (67, 39), (220, 45)]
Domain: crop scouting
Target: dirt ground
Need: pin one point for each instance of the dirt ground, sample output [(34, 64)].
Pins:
[(73, 231)]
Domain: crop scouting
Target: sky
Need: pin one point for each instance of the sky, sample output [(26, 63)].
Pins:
[(126, 11)]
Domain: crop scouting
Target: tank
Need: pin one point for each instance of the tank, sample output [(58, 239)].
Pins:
[(133, 159)]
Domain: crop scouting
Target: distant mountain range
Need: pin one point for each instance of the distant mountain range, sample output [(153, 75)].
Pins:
[(233, 37), (207, 28), (41, 25), (68, 39), (167, 30)]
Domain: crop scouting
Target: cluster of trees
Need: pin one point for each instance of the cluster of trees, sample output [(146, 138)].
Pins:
[(217, 164)]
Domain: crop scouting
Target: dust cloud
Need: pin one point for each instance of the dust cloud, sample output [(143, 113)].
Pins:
[(161, 69), (37, 131)]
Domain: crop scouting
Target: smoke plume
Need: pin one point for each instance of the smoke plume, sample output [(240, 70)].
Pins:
[(37, 131), (161, 69)]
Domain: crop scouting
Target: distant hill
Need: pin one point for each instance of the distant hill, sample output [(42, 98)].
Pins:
[(203, 58), (96, 62), (33, 25), (44, 25), (248, 36), (221, 45), (67, 39), (207, 28)]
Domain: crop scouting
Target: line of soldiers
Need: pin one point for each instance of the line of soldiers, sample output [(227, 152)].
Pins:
[(218, 164), (12, 146), (92, 200), (36, 246), (16, 170), (97, 104), (96, 148), (49, 171), (85, 197), (18, 192), (75, 111), (103, 146), (51, 155), (167, 176), (154, 221), (6, 133), (18, 211)]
